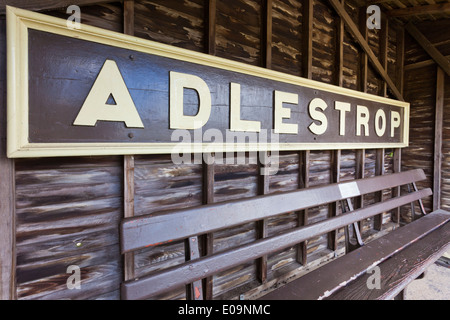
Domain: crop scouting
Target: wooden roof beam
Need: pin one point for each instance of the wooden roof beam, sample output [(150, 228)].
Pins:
[(434, 53), (420, 10), (370, 2), (354, 31), (422, 64), (41, 5)]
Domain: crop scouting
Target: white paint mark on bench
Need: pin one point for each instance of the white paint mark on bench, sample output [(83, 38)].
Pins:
[(349, 189)]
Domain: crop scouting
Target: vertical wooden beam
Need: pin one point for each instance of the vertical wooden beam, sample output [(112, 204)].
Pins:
[(379, 171), (307, 32), (211, 31), (209, 165), (303, 182), (438, 127), (384, 42), (336, 155), (360, 163), (194, 291), (128, 160), (208, 178), (400, 58), (363, 60), (128, 164), (261, 226), (200, 289), (334, 207), (268, 35), (340, 50), (307, 29), (399, 76), (397, 167), (7, 190), (128, 17), (208, 197), (7, 226)]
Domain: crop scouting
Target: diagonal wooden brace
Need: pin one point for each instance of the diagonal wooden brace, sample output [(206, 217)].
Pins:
[(354, 31), (434, 53)]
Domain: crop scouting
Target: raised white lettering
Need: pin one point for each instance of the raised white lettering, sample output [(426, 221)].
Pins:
[(179, 81), (315, 104), (109, 82)]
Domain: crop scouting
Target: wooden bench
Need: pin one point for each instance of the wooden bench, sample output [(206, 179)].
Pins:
[(411, 247)]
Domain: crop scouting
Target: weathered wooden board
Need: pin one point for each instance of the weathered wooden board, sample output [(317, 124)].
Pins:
[(324, 42), (420, 91), (67, 214), (7, 214), (351, 53), (179, 23), (68, 211), (239, 30), (106, 16), (286, 39), (421, 87), (397, 271), (235, 181), (161, 185), (445, 172)]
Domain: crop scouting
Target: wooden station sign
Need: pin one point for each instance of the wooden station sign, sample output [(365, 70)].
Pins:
[(91, 91)]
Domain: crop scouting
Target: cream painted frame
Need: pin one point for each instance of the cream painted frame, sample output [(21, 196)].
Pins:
[(18, 23)]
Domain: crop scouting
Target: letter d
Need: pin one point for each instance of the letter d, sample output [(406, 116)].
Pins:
[(179, 81)]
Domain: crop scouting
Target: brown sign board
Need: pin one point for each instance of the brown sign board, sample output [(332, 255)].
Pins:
[(90, 91)]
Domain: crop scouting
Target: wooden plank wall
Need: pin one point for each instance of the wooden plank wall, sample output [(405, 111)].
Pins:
[(421, 90), (68, 209), (445, 172), (7, 213), (67, 213)]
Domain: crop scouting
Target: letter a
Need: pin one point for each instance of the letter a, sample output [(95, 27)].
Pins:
[(109, 82), (73, 282), (374, 281)]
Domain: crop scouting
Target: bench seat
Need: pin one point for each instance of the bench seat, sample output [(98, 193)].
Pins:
[(402, 256), (191, 224)]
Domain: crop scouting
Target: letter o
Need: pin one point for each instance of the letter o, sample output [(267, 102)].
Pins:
[(380, 130)]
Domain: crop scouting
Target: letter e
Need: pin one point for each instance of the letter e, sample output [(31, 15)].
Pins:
[(281, 113)]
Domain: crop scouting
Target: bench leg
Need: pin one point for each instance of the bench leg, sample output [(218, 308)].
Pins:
[(422, 275), (351, 244), (413, 209), (194, 291), (400, 295), (422, 208)]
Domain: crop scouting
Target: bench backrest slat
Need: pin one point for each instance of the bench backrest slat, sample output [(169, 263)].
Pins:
[(191, 271), (154, 229)]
